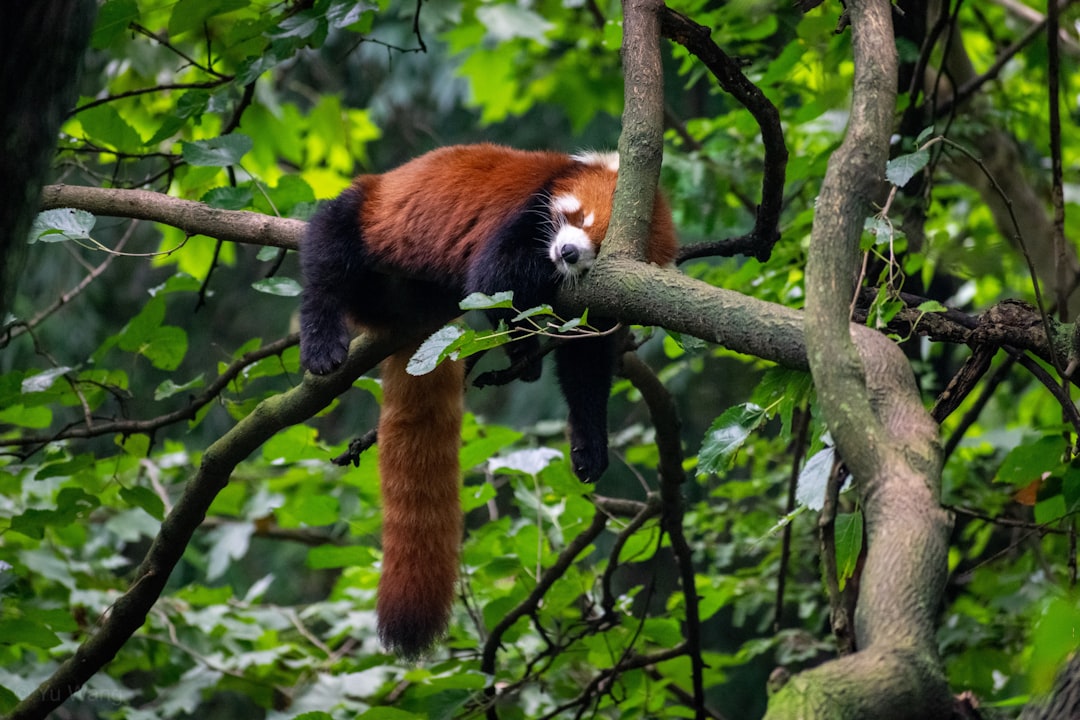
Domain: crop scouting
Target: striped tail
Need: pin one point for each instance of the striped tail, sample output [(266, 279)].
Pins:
[(419, 438)]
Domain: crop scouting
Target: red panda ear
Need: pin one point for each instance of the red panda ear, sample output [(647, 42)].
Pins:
[(605, 160)]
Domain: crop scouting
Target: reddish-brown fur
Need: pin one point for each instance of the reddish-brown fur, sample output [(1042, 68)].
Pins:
[(419, 437), (478, 187)]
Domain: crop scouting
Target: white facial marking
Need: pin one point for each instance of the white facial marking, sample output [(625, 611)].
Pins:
[(589, 220), (571, 251), (566, 204)]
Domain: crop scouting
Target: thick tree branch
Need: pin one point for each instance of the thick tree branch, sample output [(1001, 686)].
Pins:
[(37, 88), (641, 143), (887, 441)]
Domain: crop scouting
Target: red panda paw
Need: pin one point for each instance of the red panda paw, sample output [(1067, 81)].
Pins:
[(589, 461), (323, 358)]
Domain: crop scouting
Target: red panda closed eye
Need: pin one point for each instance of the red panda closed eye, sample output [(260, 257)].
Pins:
[(401, 249)]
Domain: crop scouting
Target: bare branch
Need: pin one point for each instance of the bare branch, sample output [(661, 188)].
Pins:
[(192, 217)]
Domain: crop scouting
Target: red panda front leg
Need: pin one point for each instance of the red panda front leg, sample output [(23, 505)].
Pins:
[(585, 367), (329, 256)]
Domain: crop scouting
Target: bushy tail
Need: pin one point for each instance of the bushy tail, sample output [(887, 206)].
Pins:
[(419, 437)]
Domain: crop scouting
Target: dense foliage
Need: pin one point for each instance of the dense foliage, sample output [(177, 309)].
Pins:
[(131, 347)]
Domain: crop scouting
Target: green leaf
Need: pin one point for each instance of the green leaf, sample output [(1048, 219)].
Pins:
[(1029, 461), (1049, 509), (190, 105), (43, 380), (433, 350), (168, 388), (343, 13), (326, 557), (71, 503), (1053, 640), (221, 151), (188, 15), (280, 286), (163, 345), (23, 632), (879, 230), (473, 342), (105, 126), (385, 712), (571, 325), (480, 301), (8, 700), (314, 510), (902, 168), (65, 468), (814, 478), (113, 19), (229, 198), (506, 22), (726, 436), (1070, 487), (849, 536), (37, 417), (62, 224), (534, 311), (685, 343), (783, 390), (529, 461), (480, 448), (145, 499), (136, 445)]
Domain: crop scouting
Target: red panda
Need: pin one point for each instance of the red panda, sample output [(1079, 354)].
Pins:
[(404, 248)]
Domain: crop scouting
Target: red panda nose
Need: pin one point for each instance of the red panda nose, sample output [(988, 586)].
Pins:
[(570, 253)]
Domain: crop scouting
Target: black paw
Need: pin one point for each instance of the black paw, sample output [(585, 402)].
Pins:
[(324, 358), (589, 461)]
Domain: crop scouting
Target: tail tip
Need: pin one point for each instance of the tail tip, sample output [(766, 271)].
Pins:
[(410, 638)]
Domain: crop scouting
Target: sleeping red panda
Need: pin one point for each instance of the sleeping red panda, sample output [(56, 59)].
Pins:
[(404, 248)]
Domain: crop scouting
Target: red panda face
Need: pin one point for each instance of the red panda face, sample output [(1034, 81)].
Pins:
[(571, 248)]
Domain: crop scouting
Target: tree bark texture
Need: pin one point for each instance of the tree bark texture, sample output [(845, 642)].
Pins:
[(886, 439), (41, 48)]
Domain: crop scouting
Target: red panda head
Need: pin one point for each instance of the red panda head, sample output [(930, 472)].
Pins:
[(580, 212)]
